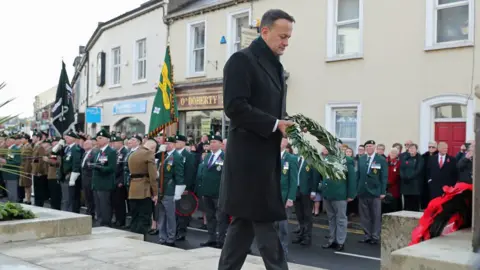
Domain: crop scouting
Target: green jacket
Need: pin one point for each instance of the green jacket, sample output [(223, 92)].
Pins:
[(308, 183), (190, 170), (13, 159), (341, 189), (173, 172), (72, 160), (289, 176), (103, 178), (372, 182), (411, 175), (211, 175), (198, 180)]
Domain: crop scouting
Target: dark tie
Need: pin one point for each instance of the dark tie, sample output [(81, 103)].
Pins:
[(210, 162), (368, 164), (299, 162)]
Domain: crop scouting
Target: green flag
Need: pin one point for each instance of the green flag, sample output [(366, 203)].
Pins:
[(164, 109)]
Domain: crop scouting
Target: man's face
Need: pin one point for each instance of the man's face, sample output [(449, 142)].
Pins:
[(284, 143), (407, 144), (35, 139), (206, 147), (277, 35), (370, 148), (118, 145), (102, 141), (215, 145), (380, 150), (170, 146), (69, 140), (463, 148), (361, 150), (442, 149), (180, 145), (134, 143), (87, 145), (432, 148)]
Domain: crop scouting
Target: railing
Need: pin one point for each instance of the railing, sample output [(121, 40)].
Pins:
[(476, 188)]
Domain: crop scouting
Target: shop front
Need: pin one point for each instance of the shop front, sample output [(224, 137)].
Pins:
[(201, 111)]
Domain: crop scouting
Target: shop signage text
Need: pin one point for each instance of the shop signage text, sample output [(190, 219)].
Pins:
[(130, 107), (93, 115), (203, 101)]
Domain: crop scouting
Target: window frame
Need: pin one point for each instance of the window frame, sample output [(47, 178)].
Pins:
[(432, 9), (136, 60), (114, 66), (191, 73), (330, 109), (332, 24), (232, 27)]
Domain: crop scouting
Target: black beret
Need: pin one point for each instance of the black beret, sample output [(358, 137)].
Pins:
[(103, 133), (72, 134), (369, 142)]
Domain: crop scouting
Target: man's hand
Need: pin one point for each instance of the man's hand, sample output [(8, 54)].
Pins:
[(120, 185), (382, 196), (289, 204), (185, 192), (3, 161), (349, 200), (155, 199), (313, 195), (469, 154), (45, 159), (283, 125)]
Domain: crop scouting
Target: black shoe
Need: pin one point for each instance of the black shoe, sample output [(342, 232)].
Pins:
[(180, 238), (306, 242), (169, 244), (209, 244), (219, 245), (365, 241), (203, 227), (297, 240), (327, 237), (373, 242), (339, 248), (297, 231), (330, 245), (153, 231)]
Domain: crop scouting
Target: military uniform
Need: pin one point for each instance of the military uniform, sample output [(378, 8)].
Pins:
[(189, 178), (70, 175), (210, 190), (288, 187), (143, 186), (126, 171), (40, 184), (12, 161), (26, 153), (372, 179), (103, 180), (120, 192), (87, 173), (53, 162), (170, 191)]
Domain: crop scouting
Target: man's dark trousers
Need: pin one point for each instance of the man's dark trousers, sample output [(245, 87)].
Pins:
[(239, 239)]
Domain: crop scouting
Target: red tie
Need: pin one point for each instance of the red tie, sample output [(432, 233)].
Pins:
[(441, 162)]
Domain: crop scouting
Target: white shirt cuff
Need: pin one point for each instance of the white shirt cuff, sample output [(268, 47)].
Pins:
[(275, 126), (290, 200), (313, 194)]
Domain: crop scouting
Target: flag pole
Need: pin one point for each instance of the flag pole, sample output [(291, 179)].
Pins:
[(162, 160)]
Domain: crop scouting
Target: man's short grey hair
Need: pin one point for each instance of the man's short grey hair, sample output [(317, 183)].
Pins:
[(272, 15)]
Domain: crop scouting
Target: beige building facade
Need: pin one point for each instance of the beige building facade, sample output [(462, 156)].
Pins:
[(363, 70)]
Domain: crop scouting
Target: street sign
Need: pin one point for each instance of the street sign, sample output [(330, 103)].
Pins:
[(93, 115)]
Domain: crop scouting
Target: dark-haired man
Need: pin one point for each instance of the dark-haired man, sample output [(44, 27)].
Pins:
[(255, 102)]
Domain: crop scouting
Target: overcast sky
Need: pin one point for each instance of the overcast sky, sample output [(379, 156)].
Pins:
[(37, 34)]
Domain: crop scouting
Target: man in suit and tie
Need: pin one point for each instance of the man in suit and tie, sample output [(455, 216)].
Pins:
[(372, 182), (441, 171), (87, 173), (255, 101), (119, 193)]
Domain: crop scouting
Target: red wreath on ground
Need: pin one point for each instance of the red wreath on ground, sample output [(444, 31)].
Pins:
[(446, 214)]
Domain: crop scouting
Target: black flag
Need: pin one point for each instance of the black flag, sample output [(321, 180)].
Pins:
[(63, 116)]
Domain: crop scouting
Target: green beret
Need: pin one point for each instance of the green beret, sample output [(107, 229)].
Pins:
[(369, 142), (37, 134), (116, 139), (171, 140), (181, 138), (103, 133), (215, 137), (72, 134)]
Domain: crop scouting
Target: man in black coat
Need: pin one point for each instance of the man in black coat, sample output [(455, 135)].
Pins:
[(442, 171), (254, 100)]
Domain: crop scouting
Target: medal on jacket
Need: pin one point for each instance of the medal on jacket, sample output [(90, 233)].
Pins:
[(285, 167), (168, 167), (307, 168)]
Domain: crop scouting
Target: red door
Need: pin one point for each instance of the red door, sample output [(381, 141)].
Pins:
[(453, 133)]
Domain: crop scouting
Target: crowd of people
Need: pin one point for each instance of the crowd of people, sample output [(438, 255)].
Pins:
[(114, 176)]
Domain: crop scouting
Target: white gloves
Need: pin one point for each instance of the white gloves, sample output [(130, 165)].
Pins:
[(73, 178), (163, 148), (179, 189), (59, 145)]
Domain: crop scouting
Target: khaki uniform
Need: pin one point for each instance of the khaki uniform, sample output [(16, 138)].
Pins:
[(143, 185), (40, 184), (26, 166), (54, 189)]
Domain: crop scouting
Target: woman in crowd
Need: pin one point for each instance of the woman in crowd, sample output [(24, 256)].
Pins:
[(393, 186), (411, 178)]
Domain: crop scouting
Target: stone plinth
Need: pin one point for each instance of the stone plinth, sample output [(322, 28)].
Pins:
[(396, 233), (450, 252), (112, 249), (49, 223)]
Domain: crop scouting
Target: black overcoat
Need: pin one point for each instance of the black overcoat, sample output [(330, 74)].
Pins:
[(440, 177), (254, 98)]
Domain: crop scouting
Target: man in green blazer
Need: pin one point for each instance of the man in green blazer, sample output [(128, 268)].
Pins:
[(189, 181), (217, 221), (71, 168), (104, 178), (306, 191), (11, 162), (336, 194), (288, 187), (170, 191), (372, 177)]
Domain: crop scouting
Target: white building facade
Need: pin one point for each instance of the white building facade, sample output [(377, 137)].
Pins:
[(120, 69)]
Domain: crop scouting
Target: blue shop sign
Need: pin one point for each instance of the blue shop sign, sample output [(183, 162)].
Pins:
[(93, 115), (130, 107)]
